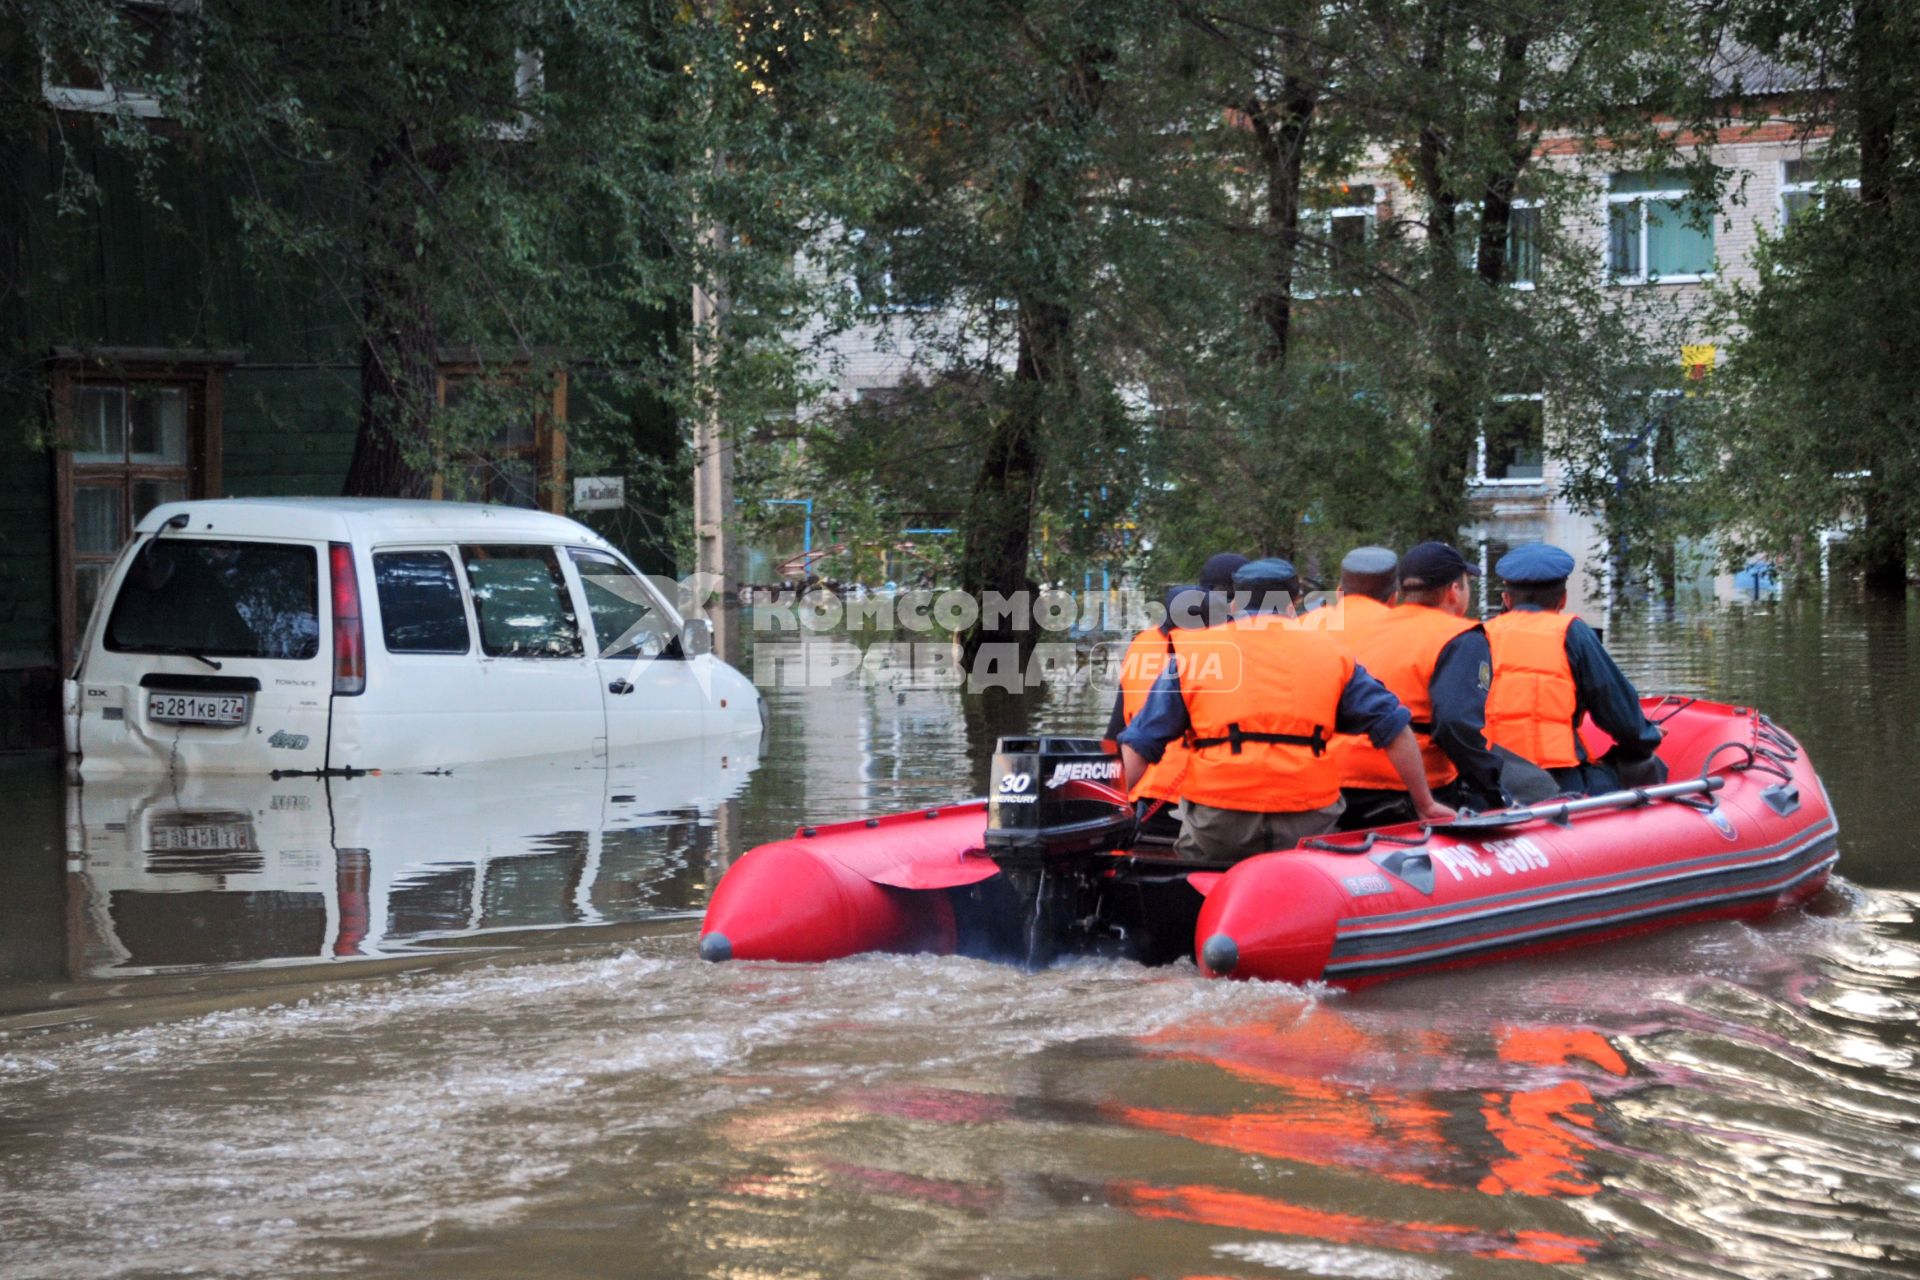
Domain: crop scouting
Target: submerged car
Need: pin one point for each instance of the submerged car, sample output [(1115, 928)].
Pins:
[(290, 635)]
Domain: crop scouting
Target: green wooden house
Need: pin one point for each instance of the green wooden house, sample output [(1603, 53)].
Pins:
[(144, 363)]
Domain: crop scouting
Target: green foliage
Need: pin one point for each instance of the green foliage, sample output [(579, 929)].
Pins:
[(1819, 426), (1098, 233), (523, 183)]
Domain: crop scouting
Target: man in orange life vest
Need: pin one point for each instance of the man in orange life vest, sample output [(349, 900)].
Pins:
[(1550, 670), (1256, 700), (1150, 653), (1435, 660), (1366, 591)]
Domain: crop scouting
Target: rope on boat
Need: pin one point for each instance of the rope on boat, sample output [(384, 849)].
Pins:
[(1672, 704), (1373, 837)]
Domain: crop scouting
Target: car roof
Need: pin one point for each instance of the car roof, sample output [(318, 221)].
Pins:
[(368, 520)]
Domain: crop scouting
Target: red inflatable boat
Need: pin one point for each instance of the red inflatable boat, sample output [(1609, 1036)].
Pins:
[(1044, 868)]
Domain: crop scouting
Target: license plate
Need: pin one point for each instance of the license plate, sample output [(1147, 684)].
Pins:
[(198, 708), (214, 836)]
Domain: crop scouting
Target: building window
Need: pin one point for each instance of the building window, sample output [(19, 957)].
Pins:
[(886, 275), (1343, 219), (1656, 231), (1513, 445), (1653, 447), (1523, 245), (504, 437), (123, 72), (127, 441), (1336, 230), (1807, 184)]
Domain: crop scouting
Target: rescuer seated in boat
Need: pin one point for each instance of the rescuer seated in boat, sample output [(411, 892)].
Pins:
[(1550, 670), (1157, 793), (1435, 660), (1366, 591), (1256, 701)]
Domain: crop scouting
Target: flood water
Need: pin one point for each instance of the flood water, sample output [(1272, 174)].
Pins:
[(455, 1026)]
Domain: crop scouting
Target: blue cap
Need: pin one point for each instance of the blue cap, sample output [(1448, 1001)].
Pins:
[(1217, 573), (1369, 561), (1433, 564), (1537, 564), (1270, 574)]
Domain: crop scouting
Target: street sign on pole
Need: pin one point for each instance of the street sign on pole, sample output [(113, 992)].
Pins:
[(599, 493)]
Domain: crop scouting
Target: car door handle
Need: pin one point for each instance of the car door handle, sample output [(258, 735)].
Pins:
[(620, 686)]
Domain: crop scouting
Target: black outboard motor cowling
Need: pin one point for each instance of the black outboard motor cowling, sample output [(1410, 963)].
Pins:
[(1049, 799)]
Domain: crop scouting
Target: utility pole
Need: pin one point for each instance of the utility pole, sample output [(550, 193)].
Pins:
[(713, 463)]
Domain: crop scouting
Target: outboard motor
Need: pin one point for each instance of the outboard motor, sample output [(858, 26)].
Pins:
[(1053, 805), (1051, 799)]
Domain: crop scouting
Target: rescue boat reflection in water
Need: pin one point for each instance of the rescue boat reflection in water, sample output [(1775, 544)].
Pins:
[(216, 871), (1485, 1154), (1040, 869)]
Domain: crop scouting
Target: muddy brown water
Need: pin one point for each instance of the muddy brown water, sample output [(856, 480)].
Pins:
[(291, 1030)]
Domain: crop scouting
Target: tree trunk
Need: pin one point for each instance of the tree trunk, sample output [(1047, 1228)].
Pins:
[(398, 347), (1280, 129), (1464, 340), (999, 519), (998, 527), (1883, 549), (1453, 424)]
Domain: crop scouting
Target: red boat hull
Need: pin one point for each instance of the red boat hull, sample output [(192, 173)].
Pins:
[(840, 890)]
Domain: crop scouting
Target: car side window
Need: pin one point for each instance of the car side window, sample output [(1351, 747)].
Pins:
[(627, 622), (420, 606), (522, 602)]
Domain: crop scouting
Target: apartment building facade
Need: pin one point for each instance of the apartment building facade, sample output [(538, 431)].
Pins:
[(1643, 237)]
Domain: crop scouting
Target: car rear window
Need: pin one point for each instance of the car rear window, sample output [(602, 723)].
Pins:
[(219, 599), (420, 606)]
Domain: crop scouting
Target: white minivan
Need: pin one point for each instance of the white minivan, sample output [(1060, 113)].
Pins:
[(340, 635)]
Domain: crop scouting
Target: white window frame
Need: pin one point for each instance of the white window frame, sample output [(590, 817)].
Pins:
[(1817, 188), (1321, 220), (1480, 448), (1651, 395), (109, 99), (1677, 194)]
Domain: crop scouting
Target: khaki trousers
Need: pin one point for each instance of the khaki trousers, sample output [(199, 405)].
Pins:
[(1218, 835)]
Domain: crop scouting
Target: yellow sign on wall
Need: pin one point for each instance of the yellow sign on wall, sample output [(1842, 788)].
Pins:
[(1697, 360)]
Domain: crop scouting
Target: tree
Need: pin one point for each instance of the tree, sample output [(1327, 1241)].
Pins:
[(1468, 99), (1821, 428), (1000, 117), (524, 182)]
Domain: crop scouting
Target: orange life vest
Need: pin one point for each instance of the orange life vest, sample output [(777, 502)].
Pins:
[(1261, 699), (1347, 611), (1149, 655), (1534, 701), (1400, 648)]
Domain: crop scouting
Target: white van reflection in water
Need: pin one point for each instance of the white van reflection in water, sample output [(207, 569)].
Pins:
[(218, 871), (291, 635)]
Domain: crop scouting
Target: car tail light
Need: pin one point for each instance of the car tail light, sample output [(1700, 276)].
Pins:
[(349, 637)]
